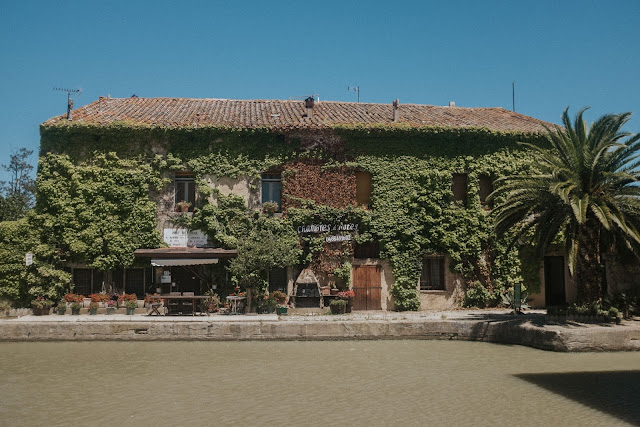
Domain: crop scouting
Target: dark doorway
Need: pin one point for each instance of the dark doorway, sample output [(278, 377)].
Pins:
[(185, 279), (554, 280)]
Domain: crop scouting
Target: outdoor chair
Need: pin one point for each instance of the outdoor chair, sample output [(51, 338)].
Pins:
[(186, 306), (173, 307)]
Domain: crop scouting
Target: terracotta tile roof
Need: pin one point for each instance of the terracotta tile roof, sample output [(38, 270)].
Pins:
[(180, 112)]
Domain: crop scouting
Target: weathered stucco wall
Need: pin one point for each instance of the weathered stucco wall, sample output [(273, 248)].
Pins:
[(244, 186)]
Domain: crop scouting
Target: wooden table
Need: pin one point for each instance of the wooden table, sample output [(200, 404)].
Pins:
[(192, 298), (234, 300)]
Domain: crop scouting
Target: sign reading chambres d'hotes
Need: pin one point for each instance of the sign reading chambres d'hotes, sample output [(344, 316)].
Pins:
[(326, 228)]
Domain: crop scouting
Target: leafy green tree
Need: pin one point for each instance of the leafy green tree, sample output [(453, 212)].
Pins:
[(271, 242), (20, 283), (585, 191), (17, 194)]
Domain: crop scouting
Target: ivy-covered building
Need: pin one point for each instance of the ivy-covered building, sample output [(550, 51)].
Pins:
[(386, 199)]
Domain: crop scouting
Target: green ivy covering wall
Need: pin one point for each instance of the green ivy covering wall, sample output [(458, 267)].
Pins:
[(412, 213)]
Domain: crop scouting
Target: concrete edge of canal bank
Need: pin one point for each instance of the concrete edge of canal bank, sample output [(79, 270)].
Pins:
[(513, 330)]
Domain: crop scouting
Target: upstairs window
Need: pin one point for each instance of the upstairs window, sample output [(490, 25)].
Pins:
[(271, 189), (459, 187), (432, 277), (485, 187), (185, 190), (363, 189), (366, 250)]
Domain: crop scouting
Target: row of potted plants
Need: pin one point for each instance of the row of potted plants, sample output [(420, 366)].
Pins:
[(42, 305), (274, 301)]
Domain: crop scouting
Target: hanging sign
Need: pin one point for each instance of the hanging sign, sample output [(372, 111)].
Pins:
[(326, 228), (338, 238), (28, 259), (181, 237)]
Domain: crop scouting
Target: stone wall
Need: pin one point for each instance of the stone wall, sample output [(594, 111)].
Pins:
[(512, 330)]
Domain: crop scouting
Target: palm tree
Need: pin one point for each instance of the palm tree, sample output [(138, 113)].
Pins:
[(585, 190)]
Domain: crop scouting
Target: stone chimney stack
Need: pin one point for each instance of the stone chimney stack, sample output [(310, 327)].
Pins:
[(308, 103), (396, 111), (69, 108)]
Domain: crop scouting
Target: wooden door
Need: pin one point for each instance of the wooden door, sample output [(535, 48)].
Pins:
[(367, 287), (554, 280)]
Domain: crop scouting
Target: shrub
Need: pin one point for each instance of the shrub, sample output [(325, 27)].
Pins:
[(477, 296), (338, 306)]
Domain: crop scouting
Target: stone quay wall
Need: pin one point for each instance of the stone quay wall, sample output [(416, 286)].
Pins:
[(513, 331)]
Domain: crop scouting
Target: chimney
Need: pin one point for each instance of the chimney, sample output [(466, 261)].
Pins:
[(396, 112), (452, 104), (308, 103), (69, 108)]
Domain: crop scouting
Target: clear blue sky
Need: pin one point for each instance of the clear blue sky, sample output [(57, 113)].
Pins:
[(559, 53)]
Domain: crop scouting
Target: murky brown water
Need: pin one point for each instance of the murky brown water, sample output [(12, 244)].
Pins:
[(313, 383)]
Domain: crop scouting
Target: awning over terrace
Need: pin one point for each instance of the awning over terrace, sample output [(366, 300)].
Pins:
[(163, 257), (183, 261)]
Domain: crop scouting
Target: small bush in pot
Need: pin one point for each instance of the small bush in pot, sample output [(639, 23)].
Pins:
[(338, 306), (75, 307), (41, 305), (61, 309), (93, 308), (131, 306), (111, 307)]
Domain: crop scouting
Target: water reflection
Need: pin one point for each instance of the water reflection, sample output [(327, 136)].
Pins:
[(616, 393), (303, 383)]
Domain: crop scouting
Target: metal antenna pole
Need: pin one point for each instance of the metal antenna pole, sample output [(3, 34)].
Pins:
[(513, 95), (356, 89)]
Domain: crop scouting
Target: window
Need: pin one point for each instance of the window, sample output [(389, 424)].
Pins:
[(185, 189), (485, 187), (432, 277), (459, 187), (366, 250), (271, 188), (87, 281), (363, 188)]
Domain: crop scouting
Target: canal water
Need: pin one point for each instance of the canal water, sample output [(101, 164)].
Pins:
[(313, 384)]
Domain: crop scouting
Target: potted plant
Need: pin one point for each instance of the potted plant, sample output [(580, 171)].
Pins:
[(282, 309), (70, 298), (348, 297), (183, 206), (334, 290), (41, 306), (212, 304), (270, 302), (131, 306), (111, 306), (61, 309), (338, 306), (75, 308), (93, 308)]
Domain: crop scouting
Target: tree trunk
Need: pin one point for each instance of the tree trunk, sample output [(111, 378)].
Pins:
[(589, 269)]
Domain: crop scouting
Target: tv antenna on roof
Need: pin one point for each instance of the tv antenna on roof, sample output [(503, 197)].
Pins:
[(69, 100), (356, 89)]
